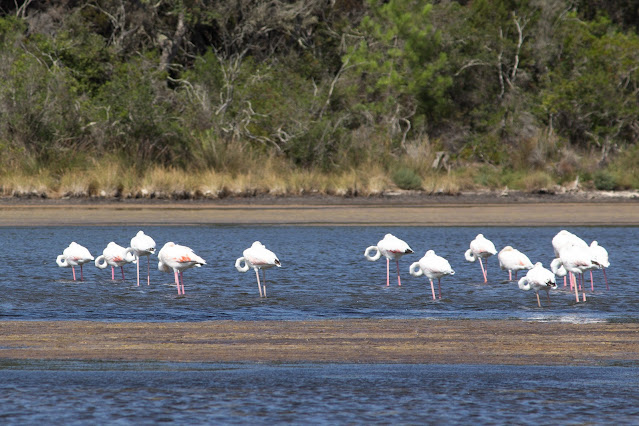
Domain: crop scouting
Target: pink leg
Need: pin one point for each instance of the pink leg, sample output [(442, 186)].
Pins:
[(565, 282), (584, 286), (73, 269), (432, 288), (482, 269), (510, 275), (573, 278), (399, 281), (177, 282), (112, 273), (605, 278), (515, 273), (581, 276), (81, 274), (148, 270), (592, 286), (387, 272), (538, 302), (138, 268), (259, 286), (182, 279), (439, 287)]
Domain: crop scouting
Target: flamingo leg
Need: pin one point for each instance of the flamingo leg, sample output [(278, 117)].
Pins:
[(515, 273), (138, 268), (112, 273), (264, 281), (259, 286), (182, 279), (73, 269), (584, 287), (605, 278), (510, 275), (177, 281), (439, 287), (592, 286), (387, 272), (81, 274), (399, 281), (538, 302), (482, 270), (565, 282), (573, 278), (148, 270), (432, 288)]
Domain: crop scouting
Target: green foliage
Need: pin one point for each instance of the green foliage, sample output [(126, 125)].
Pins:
[(406, 178), (604, 181)]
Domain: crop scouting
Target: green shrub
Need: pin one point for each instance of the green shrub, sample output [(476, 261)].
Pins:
[(604, 181), (406, 178)]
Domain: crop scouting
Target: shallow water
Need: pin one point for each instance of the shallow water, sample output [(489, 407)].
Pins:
[(151, 393), (324, 275)]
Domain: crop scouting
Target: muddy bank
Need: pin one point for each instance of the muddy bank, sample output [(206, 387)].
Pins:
[(344, 341), (374, 212)]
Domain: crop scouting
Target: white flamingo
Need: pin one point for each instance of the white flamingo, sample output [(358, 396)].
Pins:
[(576, 260), (73, 256), (433, 266), (142, 245), (257, 257), (177, 258), (538, 278), (601, 256), (114, 255), (390, 247), (481, 248), (511, 259), (565, 239)]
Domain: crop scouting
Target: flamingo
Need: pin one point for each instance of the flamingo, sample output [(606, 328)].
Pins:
[(177, 258), (576, 260), (558, 269), (601, 254), (433, 266), (142, 245), (538, 278), (513, 260), (566, 239), (73, 256), (481, 248), (392, 248), (257, 257), (114, 255)]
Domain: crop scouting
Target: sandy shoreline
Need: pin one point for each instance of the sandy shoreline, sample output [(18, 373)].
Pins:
[(419, 341), (374, 212)]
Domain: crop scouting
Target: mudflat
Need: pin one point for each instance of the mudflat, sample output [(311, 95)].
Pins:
[(420, 341), (374, 212)]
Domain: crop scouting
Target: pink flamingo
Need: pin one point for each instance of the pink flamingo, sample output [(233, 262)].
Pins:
[(513, 260), (257, 257), (177, 258), (114, 255), (481, 248), (390, 247), (538, 278), (142, 245), (432, 266), (73, 256)]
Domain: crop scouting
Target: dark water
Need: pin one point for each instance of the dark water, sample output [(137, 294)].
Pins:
[(113, 393), (324, 275)]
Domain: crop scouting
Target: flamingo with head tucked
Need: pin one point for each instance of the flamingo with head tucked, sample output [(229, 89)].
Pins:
[(538, 278), (142, 245), (73, 256), (114, 255), (177, 258), (511, 259), (257, 257), (390, 247), (601, 256), (576, 260), (481, 248), (433, 266)]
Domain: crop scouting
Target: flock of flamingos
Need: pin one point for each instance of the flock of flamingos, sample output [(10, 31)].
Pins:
[(573, 257)]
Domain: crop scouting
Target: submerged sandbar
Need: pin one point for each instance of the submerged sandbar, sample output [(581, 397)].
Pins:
[(417, 341)]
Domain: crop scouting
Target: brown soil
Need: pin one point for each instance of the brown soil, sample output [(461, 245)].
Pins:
[(342, 341)]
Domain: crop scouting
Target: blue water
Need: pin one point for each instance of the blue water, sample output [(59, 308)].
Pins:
[(324, 275)]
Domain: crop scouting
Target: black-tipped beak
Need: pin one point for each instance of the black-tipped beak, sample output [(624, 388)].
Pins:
[(408, 251)]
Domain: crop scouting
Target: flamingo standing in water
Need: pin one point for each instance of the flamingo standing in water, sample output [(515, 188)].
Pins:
[(177, 258), (565, 239), (512, 259), (601, 254), (432, 266), (390, 247), (142, 245), (73, 256), (576, 260), (481, 248), (538, 278), (114, 255), (257, 257)]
